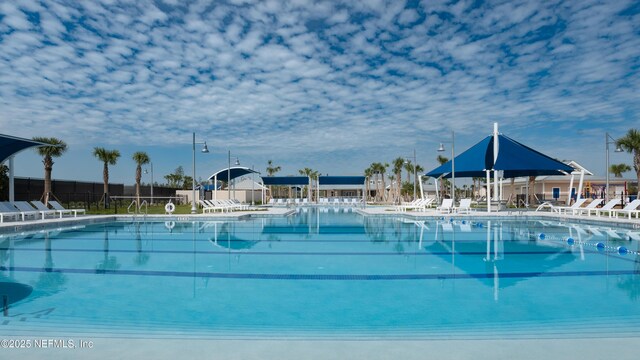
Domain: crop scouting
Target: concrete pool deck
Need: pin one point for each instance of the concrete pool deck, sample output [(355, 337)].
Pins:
[(535, 349)]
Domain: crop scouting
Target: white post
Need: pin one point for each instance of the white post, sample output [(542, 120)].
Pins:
[(421, 190), (437, 192), (488, 190), (193, 180), (496, 148), (569, 192), (215, 187), (11, 181), (579, 194)]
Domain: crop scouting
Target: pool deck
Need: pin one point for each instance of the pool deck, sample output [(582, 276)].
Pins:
[(534, 349)]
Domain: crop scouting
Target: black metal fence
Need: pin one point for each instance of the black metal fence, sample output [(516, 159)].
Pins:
[(87, 195)]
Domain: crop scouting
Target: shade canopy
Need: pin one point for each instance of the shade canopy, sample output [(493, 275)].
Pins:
[(341, 180), (285, 180), (10, 145), (233, 172), (514, 159)]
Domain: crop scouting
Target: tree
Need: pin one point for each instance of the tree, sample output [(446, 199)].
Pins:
[(417, 170), (176, 179), (618, 169), (141, 158), (272, 170), (56, 149), (4, 181), (312, 174), (368, 172), (398, 164), (442, 160), (108, 157), (631, 143)]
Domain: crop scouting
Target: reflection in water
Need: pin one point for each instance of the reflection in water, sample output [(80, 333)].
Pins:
[(107, 262), (631, 283), (142, 257), (49, 281)]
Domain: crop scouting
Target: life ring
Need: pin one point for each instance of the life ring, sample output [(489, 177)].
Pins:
[(169, 225), (170, 208)]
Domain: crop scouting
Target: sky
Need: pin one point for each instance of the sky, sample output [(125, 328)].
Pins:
[(329, 85)]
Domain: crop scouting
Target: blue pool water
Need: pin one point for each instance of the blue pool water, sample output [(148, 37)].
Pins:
[(322, 273)]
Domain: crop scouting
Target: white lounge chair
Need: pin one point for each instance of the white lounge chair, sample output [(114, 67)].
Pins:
[(56, 206), (464, 207), (592, 205), (608, 207), (26, 207), (630, 208), (446, 207), (409, 205), (10, 208), (42, 207), (6, 213), (562, 209)]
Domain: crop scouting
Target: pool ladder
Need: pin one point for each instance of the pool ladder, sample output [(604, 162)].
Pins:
[(137, 209)]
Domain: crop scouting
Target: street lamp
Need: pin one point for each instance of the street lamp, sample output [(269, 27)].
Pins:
[(453, 165), (146, 172), (229, 177), (193, 180), (415, 175), (609, 140)]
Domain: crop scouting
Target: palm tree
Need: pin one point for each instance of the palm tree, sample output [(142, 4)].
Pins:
[(271, 170), (108, 157), (398, 163), (56, 149), (381, 169), (368, 172), (417, 170), (141, 158), (618, 169), (310, 173), (442, 160), (409, 168), (631, 143)]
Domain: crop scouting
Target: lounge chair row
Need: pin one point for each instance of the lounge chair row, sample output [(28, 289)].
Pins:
[(209, 206), (632, 208), (22, 210), (447, 206), (322, 201)]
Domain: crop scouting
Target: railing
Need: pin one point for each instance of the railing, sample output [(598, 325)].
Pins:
[(137, 209)]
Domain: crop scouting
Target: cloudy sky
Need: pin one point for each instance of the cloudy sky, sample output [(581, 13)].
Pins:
[(329, 85)]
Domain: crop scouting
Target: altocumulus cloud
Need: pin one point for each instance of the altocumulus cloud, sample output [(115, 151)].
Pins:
[(320, 76)]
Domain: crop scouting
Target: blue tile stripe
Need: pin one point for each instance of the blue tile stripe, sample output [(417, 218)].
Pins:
[(325, 253), (325, 277)]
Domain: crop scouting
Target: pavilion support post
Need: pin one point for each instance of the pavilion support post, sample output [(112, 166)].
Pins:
[(569, 191), (11, 181), (496, 194), (580, 183), (489, 191)]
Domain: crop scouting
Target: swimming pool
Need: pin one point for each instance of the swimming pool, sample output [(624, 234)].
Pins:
[(325, 274)]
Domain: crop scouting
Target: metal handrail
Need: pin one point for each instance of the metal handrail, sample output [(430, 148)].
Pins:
[(146, 207), (134, 202)]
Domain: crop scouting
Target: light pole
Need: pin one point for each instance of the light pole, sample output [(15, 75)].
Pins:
[(193, 180), (453, 165), (229, 177), (146, 172), (608, 140), (415, 175)]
